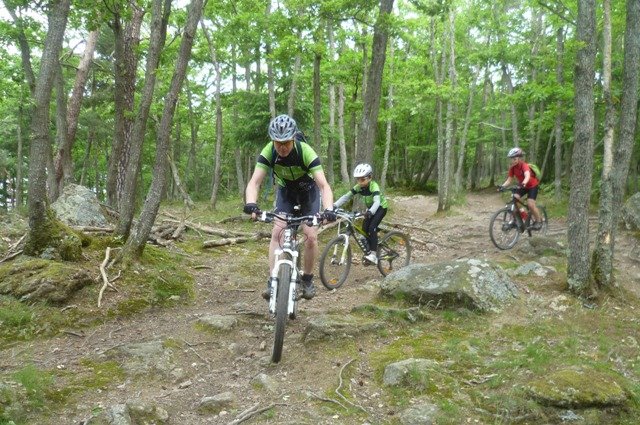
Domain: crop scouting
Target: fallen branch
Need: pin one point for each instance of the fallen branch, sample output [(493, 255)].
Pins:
[(202, 266), (88, 229), (234, 219), (251, 412), (233, 241), (11, 256), (337, 391), (330, 400), (105, 278), (209, 230)]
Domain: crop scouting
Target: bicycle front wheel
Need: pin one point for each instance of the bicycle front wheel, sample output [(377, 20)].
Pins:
[(282, 301), (503, 229), (335, 263), (394, 252)]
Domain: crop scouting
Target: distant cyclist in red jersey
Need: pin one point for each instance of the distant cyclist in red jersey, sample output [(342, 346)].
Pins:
[(527, 183)]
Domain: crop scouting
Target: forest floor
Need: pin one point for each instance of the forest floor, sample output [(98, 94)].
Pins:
[(486, 360)]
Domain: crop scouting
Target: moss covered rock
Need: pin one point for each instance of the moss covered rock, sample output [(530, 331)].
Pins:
[(42, 280), (578, 388)]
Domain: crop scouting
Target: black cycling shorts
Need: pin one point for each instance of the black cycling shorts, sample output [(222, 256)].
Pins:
[(531, 193), (309, 200)]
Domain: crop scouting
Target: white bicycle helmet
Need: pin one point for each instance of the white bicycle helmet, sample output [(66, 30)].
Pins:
[(282, 128), (515, 152), (362, 170)]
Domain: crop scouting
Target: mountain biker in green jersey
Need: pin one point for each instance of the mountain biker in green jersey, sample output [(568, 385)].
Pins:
[(375, 202), (527, 183), (300, 180)]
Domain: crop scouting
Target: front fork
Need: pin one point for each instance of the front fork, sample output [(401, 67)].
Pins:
[(292, 285)]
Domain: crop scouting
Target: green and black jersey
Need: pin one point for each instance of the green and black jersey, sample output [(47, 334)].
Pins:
[(294, 170), (371, 193)]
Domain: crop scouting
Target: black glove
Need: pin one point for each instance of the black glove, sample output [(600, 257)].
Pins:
[(368, 214), (500, 188), (250, 208), (329, 215)]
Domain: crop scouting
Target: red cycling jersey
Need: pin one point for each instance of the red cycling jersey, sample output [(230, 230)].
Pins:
[(518, 170)]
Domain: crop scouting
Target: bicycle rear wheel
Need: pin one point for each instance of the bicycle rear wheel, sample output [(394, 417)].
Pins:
[(282, 301), (335, 263), (545, 221), (503, 229), (394, 252)]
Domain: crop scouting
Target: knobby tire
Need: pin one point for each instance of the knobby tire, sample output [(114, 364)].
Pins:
[(394, 252), (333, 274), (503, 234), (282, 301)]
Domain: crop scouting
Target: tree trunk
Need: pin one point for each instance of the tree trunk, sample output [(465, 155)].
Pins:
[(445, 173), (613, 189), (463, 139), (215, 185), (40, 234), (344, 166), (19, 155), (317, 103), (136, 242), (63, 161), (192, 160), (582, 159), (159, 19), (61, 130), (291, 103), (127, 40), (332, 108), (506, 77), (560, 114), (186, 199), (369, 121), (25, 50), (387, 143)]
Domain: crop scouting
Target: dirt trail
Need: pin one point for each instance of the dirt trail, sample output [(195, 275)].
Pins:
[(230, 362)]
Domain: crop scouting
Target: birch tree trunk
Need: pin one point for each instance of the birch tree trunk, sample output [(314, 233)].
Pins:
[(136, 242), (612, 196), (463, 139), (39, 234), (270, 77), (578, 267), (332, 107), (291, 102), (317, 103), (445, 174)]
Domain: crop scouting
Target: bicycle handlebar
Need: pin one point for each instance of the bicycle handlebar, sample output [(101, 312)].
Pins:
[(268, 217), (348, 215)]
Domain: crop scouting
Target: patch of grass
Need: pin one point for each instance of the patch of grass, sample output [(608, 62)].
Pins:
[(37, 383), (99, 375)]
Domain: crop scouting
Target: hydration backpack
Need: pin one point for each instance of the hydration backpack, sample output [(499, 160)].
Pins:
[(536, 171)]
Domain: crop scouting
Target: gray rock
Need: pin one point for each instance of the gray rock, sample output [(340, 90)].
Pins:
[(265, 382), (469, 283), (578, 388), (218, 322), (131, 413), (533, 267), (79, 206), (213, 405), (400, 373), (338, 326), (144, 358), (421, 414), (631, 213)]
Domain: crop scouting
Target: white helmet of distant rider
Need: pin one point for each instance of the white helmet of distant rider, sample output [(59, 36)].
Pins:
[(362, 170), (515, 153), (282, 128)]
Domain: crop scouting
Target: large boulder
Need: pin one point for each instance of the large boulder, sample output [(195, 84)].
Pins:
[(79, 206), (42, 280), (469, 283), (631, 212)]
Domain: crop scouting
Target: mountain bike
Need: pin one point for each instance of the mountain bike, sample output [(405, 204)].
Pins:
[(394, 250), (285, 282), (509, 222)]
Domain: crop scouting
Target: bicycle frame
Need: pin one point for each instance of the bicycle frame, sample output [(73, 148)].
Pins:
[(288, 254)]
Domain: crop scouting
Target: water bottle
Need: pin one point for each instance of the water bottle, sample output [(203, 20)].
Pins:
[(523, 214)]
